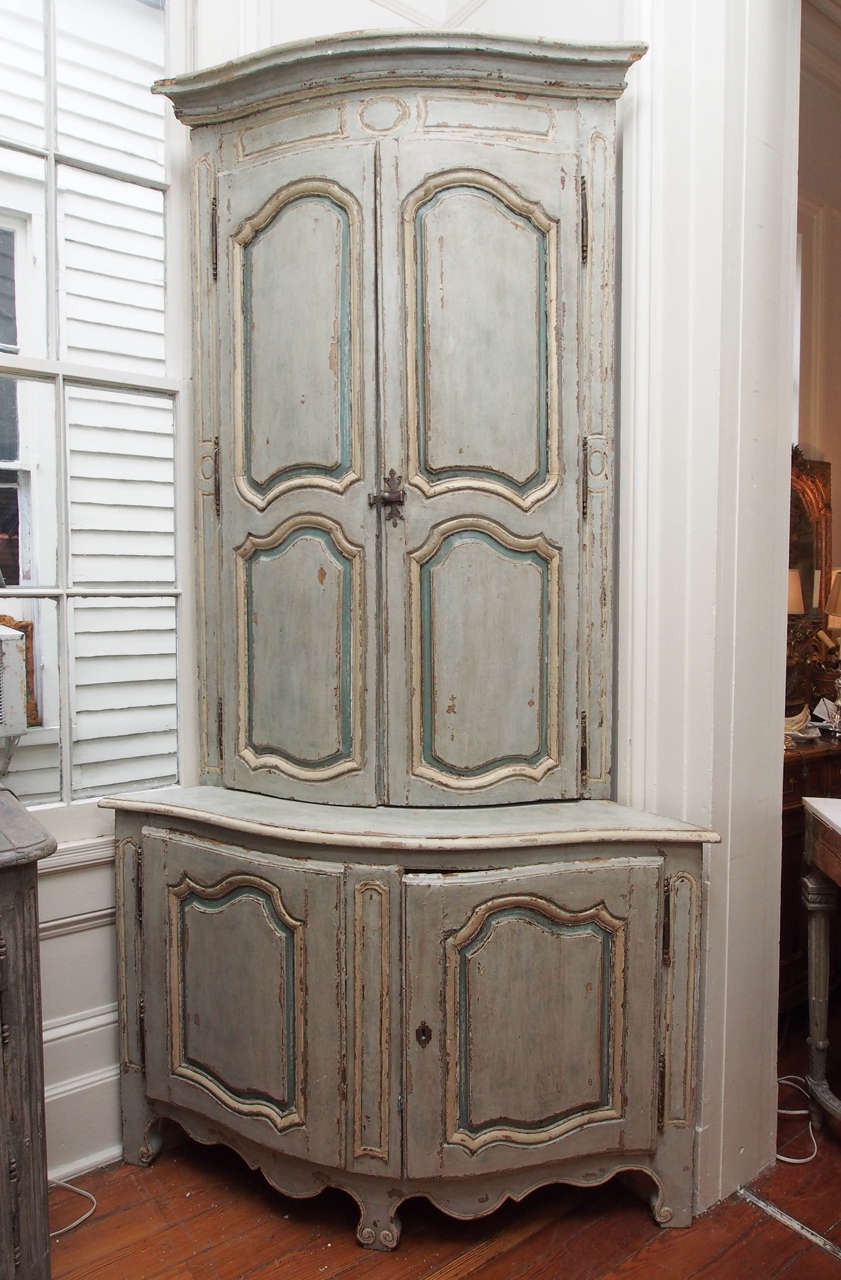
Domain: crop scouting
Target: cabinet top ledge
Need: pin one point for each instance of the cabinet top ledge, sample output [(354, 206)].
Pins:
[(390, 59), (504, 827)]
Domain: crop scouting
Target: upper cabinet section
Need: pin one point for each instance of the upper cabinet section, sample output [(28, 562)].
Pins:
[(404, 372)]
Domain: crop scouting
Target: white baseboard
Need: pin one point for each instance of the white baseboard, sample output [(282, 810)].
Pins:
[(83, 1122)]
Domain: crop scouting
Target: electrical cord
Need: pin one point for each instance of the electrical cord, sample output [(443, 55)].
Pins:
[(68, 1186), (798, 1083)]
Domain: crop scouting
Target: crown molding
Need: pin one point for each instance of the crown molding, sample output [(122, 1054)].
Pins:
[(376, 59)]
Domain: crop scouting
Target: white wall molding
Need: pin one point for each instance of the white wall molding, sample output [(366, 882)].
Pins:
[(79, 855), (79, 1024), (80, 923), (709, 162), (83, 1123)]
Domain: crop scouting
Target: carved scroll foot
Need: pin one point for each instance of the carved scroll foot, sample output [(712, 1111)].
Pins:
[(667, 1210), (142, 1138), (379, 1227)]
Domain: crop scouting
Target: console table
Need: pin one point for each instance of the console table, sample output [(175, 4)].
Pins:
[(809, 769)]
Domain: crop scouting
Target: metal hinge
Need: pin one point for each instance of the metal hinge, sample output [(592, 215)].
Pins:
[(585, 222), (584, 754), (661, 1090), (667, 921), (138, 881), (214, 238), (219, 725), (400, 1104), (585, 476), (141, 1027), (217, 488), (14, 1188)]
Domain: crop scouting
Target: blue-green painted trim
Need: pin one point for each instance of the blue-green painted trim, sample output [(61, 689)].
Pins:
[(455, 472), (287, 1103), (343, 466), (427, 682), (345, 751), (597, 931)]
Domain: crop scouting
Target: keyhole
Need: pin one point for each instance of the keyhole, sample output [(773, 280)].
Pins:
[(423, 1035)]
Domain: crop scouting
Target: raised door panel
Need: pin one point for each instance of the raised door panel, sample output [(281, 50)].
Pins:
[(531, 1014), (298, 626), (239, 982), (480, 419)]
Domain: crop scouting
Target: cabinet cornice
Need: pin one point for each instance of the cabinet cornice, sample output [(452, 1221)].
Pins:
[(389, 59)]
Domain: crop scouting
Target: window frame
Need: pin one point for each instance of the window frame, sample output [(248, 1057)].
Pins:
[(75, 817)]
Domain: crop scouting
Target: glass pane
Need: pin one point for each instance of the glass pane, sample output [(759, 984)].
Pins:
[(112, 272), (28, 500), (23, 271), (8, 310), (108, 52), (30, 697), (22, 72), (121, 487), (124, 719)]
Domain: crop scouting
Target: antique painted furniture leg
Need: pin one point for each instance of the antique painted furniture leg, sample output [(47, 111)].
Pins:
[(820, 897), (379, 1227)]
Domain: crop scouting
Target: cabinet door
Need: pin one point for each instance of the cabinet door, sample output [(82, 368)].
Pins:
[(242, 1021), (481, 419), (297, 414), (531, 1015)]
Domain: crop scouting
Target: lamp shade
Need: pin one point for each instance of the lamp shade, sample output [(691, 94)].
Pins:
[(833, 603), (795, 592)]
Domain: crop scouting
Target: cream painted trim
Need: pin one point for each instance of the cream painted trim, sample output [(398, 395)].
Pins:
[(361, 1147)]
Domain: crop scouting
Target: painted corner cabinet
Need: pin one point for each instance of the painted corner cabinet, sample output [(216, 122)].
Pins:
[(402, 942)]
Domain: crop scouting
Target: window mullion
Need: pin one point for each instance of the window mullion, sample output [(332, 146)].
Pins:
[(65, 654)]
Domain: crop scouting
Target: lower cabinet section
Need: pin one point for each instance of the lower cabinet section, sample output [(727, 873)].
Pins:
[(464, 1034)]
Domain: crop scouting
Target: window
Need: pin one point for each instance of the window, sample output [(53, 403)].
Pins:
[(88, 396)]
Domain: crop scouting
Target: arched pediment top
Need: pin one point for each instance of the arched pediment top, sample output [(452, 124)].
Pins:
[(370, 59)]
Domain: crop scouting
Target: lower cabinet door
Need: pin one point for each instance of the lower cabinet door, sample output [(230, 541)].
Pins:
[(242, 1020), (532, 1000)]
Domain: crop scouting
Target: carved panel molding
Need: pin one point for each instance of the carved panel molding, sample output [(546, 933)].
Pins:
[(325, 564), (329, 348), (191, 902), (528, 573), (470, 964), (445, 277)]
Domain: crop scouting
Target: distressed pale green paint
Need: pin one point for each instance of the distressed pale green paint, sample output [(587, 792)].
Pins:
[(432, 474), (193, 899), (345, 749), (427, 682), (345, 376), (597, 931)]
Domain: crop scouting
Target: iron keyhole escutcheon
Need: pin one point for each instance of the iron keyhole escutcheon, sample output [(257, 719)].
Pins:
[(423, 1035)]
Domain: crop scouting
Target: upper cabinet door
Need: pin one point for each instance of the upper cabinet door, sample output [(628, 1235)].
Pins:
[(480, 417), (296, 297)]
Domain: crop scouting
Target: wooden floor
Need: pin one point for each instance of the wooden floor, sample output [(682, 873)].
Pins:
[(199, 1214)]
